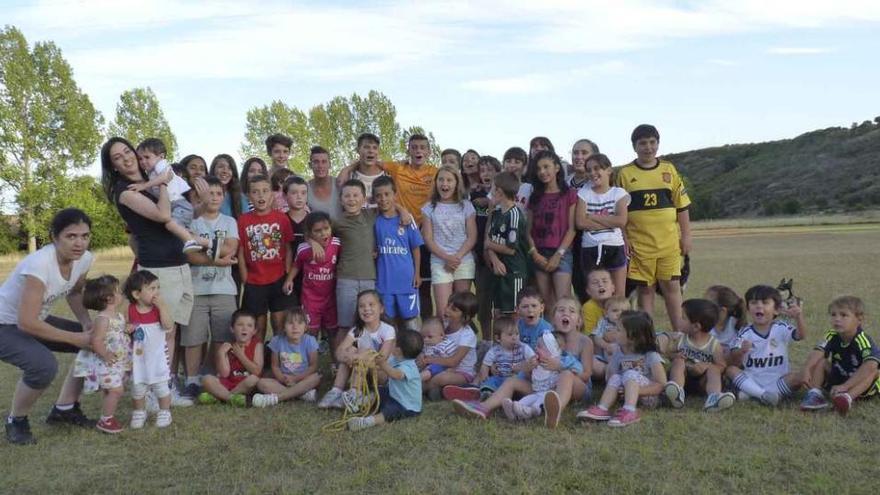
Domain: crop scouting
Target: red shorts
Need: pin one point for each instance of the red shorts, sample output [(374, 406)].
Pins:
[(230, 382), (321, 315)]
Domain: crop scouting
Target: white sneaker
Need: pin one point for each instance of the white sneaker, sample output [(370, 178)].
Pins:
[(358, 423), (264, 400), (507, 407), (163, 418), (178, 400), (310, 396), (523, 412), (191, 246), (675, 394), (353, 401), (332, 400), (138, 419)]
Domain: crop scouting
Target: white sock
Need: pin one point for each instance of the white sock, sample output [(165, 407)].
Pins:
[(193, 380), (746, 384), (629, 408), (64, 407)]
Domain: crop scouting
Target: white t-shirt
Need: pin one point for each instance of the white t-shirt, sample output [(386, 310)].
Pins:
[(207, 279), (176, 188), (449, 226), (465, 337), (368, 185), (522, 195), (602, 204), (374, 340), (767, 361), (42, 265)]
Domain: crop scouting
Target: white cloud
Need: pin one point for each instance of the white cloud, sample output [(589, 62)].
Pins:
[(542, 83), (798, 50), (723, 62)]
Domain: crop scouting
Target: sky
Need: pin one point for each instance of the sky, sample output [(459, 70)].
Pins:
[(485, 74)]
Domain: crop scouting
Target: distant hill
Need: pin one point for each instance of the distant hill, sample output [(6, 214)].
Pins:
[(829, 170)]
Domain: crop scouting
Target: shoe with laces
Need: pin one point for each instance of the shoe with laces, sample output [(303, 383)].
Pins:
[(18, 432), (770, 398), (163, 418), (310, 396), (178, 400), (264, 400), (73, 416), (675, 394), (595, 413), (469, 409), (552, 409), (191, 392), (814, 401), (353, 401), (138, 419), (842, 403), (507, 407), (719, 402), (358, 423), (624, 417), (109, 425), (332, 400)]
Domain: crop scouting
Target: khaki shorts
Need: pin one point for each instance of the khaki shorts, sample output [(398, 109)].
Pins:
[(647, 271), (175, 288)]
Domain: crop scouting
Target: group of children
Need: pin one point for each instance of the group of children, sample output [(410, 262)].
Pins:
[(523, 231)]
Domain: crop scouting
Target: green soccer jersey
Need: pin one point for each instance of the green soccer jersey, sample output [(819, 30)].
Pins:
[(509, 229)]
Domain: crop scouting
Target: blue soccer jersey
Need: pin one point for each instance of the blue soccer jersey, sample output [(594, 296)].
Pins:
[(394, 247)]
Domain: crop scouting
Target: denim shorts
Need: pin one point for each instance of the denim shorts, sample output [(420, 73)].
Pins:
[(566, 264)]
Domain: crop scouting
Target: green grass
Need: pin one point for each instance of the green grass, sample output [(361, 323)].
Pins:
[(746, 449)]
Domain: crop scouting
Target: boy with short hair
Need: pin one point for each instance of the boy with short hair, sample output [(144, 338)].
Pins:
[(398, 257), (514, 161), (214, 290), (151, 157), (450, 156), (264, 257), (658, 230), (845, 362), (368, 166), (600, 288), (402, 397), (506, 244), (531, 322), (278, 148)]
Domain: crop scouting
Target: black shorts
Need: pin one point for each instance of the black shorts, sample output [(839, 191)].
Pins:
[(425, 264), (610, 258), (258, 299)]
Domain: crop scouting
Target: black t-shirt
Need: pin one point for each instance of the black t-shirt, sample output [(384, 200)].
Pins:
[(482, 218), (156, 247), (846, 358)]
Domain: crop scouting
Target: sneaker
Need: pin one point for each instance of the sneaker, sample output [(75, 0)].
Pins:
[(191, 245), (332, 400), (675, 394), (109, 425), (163, 418), (138, 419), (470, 409), (178, 400), (552, 409), (238, 400), (18, 432), (206, 399), (770, 398), (814, 401), (191, 392), (507, 407), (624, 417), (595, 413), (73, 416), (842, 403), (719, 402), (264, 400), (353, 401), (467, 394), (310, 396), (524, 412), (358, 423)]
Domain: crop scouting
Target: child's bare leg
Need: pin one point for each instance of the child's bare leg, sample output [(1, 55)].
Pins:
[(300, 387), (561, 286), (713, 380), (341, 376), (165, 402), (444, 378), (619, 278), (111, 400), (261, 327), (646, 298), (212, 385), (277, 322), (609, 397), (569, 386), (663, 341), (818, 373), (510, 386), (630, 393), (863, 379), (677, 371), (270, 386), (671, 290), (794, 381), (598, 369), (245, 386)]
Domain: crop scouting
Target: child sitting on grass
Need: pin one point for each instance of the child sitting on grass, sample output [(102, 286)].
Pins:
[(699, 359), (294, 364), (402, 397), (731, 315), (637, 371), (436, 344), (459, 314), (845, 362), (604, 335), (600, 288), (761, 364), (238, 364)]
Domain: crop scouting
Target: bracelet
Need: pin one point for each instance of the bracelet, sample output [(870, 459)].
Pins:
[(560, 251)]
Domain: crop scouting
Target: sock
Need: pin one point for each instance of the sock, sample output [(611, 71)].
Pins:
[(749, 386), (815, 390), (64, 407), (784, 389), (193, 380), (336, 389), (106, 418), (629, 408), (604, 408)]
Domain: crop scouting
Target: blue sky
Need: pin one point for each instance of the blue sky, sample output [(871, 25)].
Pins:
[(483, 74)]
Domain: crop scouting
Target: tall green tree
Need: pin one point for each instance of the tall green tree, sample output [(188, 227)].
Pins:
[(139, 116), (432, 142), (335, 125), (49, 126)]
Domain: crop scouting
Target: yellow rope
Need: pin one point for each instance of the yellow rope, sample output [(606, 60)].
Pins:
[(368, 387)]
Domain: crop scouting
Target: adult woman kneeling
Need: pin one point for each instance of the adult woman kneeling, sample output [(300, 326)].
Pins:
[(28, 335)]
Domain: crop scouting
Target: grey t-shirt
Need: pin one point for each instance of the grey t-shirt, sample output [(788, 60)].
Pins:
[(330, 206), (642, 363), (213, 280), (449, 226), (358, 242)]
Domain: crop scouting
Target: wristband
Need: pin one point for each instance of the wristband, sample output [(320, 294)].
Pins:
[(560, 251)]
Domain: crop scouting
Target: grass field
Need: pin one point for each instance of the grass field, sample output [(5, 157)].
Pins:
[(749, 448)]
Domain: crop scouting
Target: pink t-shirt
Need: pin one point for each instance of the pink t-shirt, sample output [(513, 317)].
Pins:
[(550, 218), (319, 279)]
